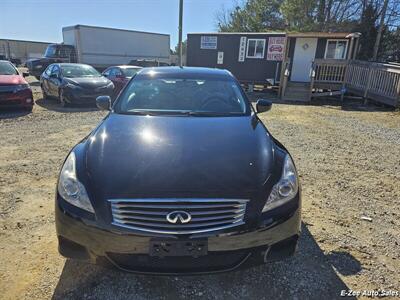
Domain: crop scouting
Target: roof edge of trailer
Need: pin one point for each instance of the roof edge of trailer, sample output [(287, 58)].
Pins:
[(288, 34), (26, 41), (110, 28), (324, 34), (242, 33)]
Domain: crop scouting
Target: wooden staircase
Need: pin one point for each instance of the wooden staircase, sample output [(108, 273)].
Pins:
[(297, 91)]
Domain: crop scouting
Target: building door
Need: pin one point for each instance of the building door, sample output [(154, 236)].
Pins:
[(304, 54)]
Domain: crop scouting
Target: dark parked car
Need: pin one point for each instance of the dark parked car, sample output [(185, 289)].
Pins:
[(147, 63), (14, 90), (55, 53), (120, 75), (74, 83), (180, 177)]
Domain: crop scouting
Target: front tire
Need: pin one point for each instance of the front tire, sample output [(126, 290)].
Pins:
[(44, 94), (61, 98)]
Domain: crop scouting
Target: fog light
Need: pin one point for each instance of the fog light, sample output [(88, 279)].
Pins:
[(28, 100)]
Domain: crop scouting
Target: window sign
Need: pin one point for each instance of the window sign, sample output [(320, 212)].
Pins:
[(276, 46), (242, 48), (208, 42)]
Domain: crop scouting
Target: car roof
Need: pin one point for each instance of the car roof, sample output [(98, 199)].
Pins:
[(72, 64), (127, 67), (182, 72)]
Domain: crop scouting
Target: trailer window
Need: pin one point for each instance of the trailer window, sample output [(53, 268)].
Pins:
[(336, 49), (255, 48)]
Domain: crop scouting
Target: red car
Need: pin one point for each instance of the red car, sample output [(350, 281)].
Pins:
[(14, 90), (120, 75)]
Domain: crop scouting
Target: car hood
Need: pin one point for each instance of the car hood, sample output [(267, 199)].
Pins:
[(157, 156), (12, 80), (88, 82)]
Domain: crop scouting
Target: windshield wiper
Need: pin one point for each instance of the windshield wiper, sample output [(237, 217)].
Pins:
[(156, 112), (181, 113), (213, 114)]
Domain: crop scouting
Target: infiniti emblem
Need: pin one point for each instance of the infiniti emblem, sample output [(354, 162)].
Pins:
[(179, 216)]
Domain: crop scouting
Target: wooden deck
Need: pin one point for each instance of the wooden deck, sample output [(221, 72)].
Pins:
[(330, 77)]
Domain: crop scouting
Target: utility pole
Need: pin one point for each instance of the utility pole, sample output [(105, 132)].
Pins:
[(180, 31)]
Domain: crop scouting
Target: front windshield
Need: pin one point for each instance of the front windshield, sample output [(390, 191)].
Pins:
[(182, 95), (71, 71), (50, 51), (7, 69), (129, 72)]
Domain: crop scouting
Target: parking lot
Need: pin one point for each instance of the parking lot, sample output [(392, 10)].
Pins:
[(349, 164)]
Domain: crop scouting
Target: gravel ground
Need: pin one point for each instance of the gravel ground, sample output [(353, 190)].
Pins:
[(349, 164)]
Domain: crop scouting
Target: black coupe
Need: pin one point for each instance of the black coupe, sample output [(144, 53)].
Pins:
[(180, 177)]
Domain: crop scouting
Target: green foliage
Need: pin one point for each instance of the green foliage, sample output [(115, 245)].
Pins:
[(176, 50), (368, 31), (300, 14), (254, 16)]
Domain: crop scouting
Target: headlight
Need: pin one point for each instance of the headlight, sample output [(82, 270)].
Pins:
[(71, 86), (69, 187), (21, 87), (110, 85), (286, 188)]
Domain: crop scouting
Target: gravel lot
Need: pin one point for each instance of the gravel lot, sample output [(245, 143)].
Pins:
[(349, 164)]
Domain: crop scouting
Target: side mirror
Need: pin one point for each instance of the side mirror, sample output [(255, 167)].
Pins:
[(103, 102), (263, 105), (25, 74)]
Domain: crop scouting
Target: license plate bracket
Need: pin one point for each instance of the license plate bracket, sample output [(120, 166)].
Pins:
[(163, 248)]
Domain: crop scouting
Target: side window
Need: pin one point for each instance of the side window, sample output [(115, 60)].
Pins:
[(48, 70), (56, 70), (112, 72), (107, 72), (117, 72), (63, 52)]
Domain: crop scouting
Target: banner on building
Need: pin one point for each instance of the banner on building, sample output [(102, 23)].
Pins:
[(208, 42), (276, 46)]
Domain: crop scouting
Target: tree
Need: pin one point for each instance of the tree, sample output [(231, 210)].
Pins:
[(253, 16), (176, 50), (368, 31), (380, 29)]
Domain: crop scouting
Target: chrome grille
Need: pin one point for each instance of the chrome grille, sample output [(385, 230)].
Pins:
[(150, 215)]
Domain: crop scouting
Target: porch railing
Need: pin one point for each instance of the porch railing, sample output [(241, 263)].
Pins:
[(284, 76), (328, 70), (377, 81)]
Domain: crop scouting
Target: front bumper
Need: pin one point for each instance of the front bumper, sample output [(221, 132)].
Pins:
[(130, 252), (81, 96), (20, 99)]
